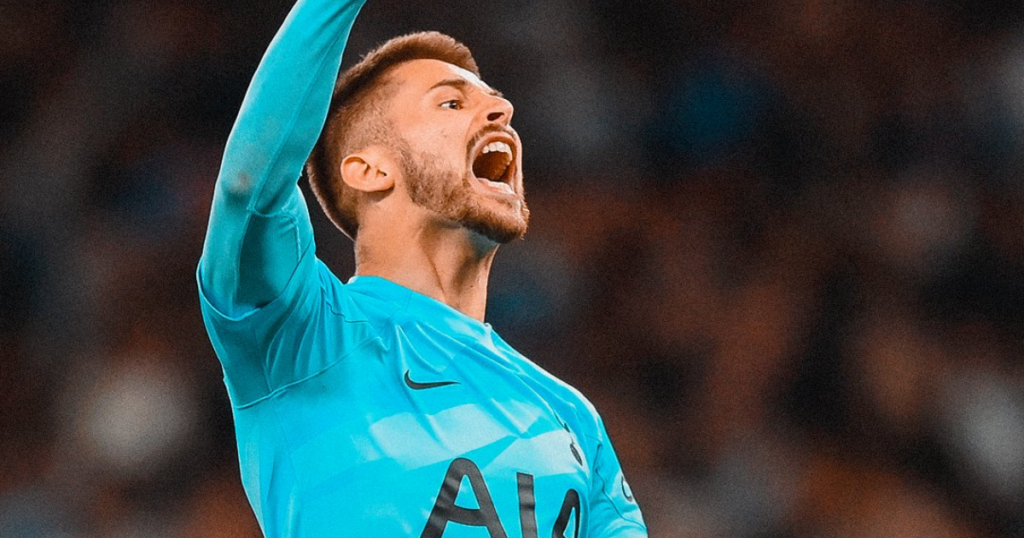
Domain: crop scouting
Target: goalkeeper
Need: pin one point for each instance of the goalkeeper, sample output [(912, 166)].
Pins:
[(385, 406)]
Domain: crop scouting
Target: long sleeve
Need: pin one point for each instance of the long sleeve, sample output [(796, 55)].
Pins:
[(260, 236), (613, 510)]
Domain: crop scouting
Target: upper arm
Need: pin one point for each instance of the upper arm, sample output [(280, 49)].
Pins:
[(249, 258), (259, 224), (614, 511)]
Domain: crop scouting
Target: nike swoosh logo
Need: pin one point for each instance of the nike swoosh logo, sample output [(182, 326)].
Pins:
[(420, 386)]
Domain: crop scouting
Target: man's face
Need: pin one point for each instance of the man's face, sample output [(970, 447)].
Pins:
[(461, 159)]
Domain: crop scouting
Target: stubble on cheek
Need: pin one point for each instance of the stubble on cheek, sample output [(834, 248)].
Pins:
[(447, 192)]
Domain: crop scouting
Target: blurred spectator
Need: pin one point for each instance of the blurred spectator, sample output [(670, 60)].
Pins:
[(780, 245)]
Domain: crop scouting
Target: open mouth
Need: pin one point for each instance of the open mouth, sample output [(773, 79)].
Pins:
[(493, 165)]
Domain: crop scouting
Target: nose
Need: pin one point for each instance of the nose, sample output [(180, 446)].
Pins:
[(500, 111)]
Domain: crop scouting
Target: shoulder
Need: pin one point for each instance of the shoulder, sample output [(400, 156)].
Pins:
[(570, 402)]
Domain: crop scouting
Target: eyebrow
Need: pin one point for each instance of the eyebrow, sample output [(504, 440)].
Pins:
[(461, 84)]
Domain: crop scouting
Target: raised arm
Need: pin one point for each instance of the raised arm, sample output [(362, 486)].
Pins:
[(259, 226)]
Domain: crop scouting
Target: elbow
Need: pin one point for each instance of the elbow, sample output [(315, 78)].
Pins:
[(235, 192), (237, 186)]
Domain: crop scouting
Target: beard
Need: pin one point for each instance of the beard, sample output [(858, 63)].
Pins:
[(448, 193)]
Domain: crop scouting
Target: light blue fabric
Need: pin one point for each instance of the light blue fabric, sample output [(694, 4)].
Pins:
[(367, 409)]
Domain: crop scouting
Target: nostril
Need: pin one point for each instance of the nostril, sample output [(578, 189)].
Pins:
[(495, 116)]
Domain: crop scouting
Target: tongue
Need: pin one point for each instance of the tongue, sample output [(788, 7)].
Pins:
[(489, 166)]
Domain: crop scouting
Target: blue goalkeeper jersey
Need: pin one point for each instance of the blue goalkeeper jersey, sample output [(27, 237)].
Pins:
[(367, 409)]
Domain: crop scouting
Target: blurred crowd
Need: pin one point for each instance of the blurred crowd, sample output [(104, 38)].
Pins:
[(779, 244)]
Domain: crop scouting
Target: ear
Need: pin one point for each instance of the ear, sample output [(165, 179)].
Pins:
[(370, 170)]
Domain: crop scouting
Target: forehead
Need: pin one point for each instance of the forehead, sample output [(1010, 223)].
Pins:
[(424, 74)]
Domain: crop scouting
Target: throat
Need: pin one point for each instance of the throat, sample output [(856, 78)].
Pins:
[(452, 268)]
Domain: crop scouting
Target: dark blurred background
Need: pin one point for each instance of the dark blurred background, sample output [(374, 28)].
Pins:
[(779, 244)]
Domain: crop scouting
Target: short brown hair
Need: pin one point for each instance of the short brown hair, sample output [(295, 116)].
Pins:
[(356, 118)]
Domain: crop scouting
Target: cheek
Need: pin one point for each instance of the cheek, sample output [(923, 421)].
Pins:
[(450, 138), (448, 147), (437, 140)]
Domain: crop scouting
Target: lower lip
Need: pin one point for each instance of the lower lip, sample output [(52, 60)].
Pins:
[(502, 189)]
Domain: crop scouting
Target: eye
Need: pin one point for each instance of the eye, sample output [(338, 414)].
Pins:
[(452, 104)]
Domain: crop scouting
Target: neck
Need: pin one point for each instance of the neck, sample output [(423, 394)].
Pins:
[(449, 264)]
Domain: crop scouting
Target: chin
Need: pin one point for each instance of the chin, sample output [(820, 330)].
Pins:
[(500, 227)]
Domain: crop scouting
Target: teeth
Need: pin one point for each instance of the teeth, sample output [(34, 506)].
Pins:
[(500, 146)]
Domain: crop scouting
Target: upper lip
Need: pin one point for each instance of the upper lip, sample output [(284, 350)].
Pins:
[(499, 136)]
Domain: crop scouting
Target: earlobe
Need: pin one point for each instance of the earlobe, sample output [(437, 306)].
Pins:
[(367, 171)]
